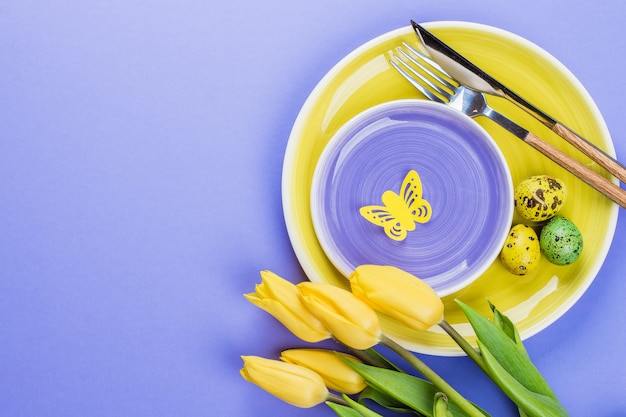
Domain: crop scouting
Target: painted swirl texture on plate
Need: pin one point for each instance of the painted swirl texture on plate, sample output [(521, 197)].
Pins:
[(463, 176)]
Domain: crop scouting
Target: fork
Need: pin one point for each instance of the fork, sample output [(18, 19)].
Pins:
[(437, 85)]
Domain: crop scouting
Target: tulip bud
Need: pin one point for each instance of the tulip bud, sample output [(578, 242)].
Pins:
[(348, 318), (294, 384), (337, 374), (440, 406), (398, 294), (280, 298)]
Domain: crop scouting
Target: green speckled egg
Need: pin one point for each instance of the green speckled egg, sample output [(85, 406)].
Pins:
[(540, 197), (520, 253), (560, 240)]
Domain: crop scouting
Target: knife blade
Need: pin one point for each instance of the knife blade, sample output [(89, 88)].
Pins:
[(470, 75)]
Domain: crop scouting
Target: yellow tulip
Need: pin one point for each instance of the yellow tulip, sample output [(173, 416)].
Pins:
[(294, 384), (349, 319), (398, 294), (337, 374), (280, 298)]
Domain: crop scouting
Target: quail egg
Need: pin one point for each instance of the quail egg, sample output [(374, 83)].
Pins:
[(521, 253), (539, 198), (560, 240)]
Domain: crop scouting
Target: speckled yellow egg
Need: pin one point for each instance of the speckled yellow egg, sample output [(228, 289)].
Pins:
[(560, 240), (521, 253), (539, 198)]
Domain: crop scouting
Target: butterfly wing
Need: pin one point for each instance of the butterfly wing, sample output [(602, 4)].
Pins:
[(400, 212), (381, 216), (411, 192)]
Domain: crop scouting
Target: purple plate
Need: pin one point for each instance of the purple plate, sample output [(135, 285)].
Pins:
[(449, 231)]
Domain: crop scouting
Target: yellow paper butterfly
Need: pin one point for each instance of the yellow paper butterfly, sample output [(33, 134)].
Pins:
[(400, 212)]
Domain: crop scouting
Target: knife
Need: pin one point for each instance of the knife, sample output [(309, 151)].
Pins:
[(473, 77)]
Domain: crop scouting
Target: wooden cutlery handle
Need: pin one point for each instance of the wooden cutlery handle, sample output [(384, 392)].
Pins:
[(591, 177), (596, 154)]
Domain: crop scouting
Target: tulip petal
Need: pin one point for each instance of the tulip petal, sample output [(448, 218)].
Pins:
[(280, 298), (306, 328), (294, 384), (330, 365), (397, 294), (349, 319)]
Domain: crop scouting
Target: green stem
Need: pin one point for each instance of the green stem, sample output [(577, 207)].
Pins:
[(452, 394), (464, 344), (362, 355), (334, 398), (366, 358)]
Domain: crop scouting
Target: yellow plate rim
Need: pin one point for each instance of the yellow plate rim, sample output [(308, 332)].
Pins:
[(299, 242)]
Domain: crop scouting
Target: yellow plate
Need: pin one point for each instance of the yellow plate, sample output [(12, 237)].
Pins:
[(364, 78)]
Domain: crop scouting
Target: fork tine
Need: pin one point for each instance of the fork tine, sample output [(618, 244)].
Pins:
[(402, 68), (429, 66), (424, 74)]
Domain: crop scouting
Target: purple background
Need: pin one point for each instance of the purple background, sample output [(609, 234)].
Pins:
[(141, 147)]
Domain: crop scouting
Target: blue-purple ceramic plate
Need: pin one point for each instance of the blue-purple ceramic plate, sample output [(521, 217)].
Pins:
[(449, 196)]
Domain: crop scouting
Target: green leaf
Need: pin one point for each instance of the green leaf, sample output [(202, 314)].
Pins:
[(506, 325), (381, 359), (507, 353), (406, 389), (371, 394), (343, 410), (365, 412), (531, 403), (413, 392)]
